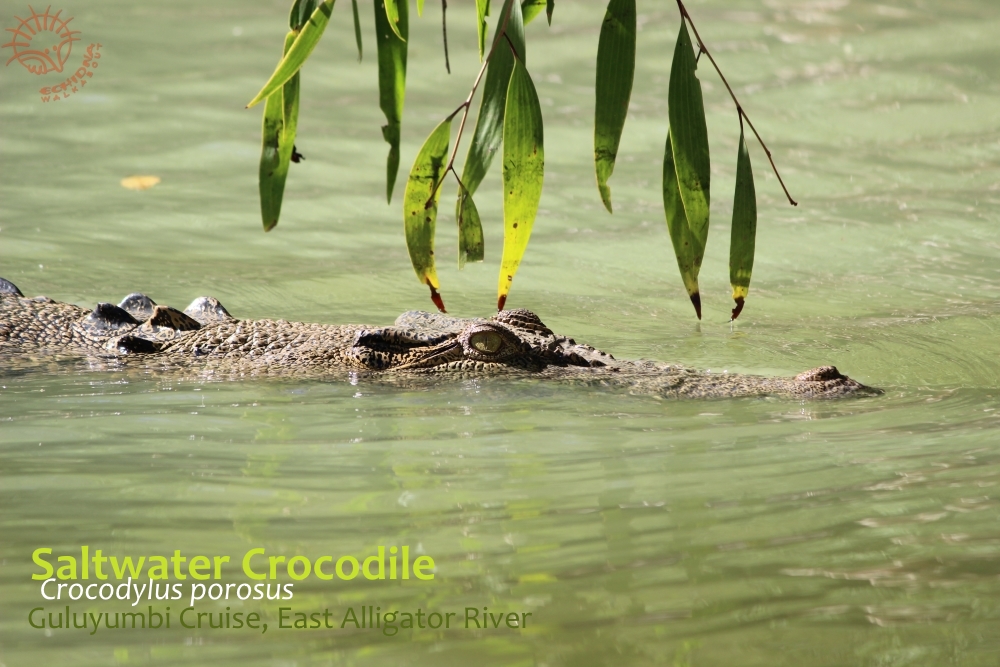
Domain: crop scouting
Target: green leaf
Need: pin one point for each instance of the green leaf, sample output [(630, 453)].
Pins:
[(391, 82), (687, 248), (489, 125), (357, 26), (281, 115), (690, 136), (420, 7), (744, 233), (301, 11), (615, 70), (271, 179), (532, 8), (523, 172), (420, 205), (295, 56), (394, 16), (290, 116), (470, 229), (482, 10)]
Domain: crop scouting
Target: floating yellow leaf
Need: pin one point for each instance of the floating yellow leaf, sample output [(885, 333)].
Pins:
[(140, 182)]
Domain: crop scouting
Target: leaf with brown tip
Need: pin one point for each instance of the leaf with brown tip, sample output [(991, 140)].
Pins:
[(687, 248), (742, 241), (523, 173), (420, 205)]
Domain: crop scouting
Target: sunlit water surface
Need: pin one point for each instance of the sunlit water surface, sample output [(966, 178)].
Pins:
[(636, 531)]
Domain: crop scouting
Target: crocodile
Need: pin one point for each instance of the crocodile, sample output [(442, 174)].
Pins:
[(206, 338)]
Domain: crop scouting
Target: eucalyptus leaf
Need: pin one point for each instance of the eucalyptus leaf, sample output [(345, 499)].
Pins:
[(488, 134), (523, 173), (615, 70), (687, 248), (470, 230), (743, 239), (420, 205), (280, 122), (392, 50), (395, 11), (482, 11), (531, 8), (357, 26), (296, 55), (690, 135), (300, 13)]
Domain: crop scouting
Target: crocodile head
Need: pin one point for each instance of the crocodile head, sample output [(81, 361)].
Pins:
[(427, 342)]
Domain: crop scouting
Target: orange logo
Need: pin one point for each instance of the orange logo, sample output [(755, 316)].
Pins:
[(42, 44)]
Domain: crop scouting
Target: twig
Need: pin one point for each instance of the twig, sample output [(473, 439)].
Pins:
[(467, 104), (739, 107), (444, 31)]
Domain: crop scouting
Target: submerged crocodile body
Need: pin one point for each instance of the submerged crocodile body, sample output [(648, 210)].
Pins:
[(207, 339)]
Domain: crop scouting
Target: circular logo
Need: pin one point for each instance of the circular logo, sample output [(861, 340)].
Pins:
[(42, 42)]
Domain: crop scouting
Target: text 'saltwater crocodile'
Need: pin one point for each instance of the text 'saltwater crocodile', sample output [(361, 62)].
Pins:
[(207, 340)]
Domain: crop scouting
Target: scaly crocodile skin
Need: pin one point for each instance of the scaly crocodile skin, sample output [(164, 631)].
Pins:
[(206, 338)]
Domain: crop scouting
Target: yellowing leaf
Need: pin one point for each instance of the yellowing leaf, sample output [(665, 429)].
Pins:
[(523, 173), (744, 232), (489, 125), (420, 205), (139, 182)]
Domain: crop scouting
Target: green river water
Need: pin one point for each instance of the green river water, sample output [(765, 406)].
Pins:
[(636, 531)]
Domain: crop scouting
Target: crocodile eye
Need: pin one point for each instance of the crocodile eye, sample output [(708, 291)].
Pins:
[(489, 342)]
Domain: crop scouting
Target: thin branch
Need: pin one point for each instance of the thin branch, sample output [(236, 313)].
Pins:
[(444, 31), (467, 104), (739, 107)]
